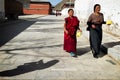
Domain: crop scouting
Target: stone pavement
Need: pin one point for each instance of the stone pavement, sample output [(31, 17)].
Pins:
[(34, 50)]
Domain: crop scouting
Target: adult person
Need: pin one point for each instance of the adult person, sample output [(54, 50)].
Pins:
[(95, 21)]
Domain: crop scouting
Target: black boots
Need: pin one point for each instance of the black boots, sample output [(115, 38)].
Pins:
[(95, 55)]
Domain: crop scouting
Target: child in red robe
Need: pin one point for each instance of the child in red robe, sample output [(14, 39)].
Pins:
[(70, 28)]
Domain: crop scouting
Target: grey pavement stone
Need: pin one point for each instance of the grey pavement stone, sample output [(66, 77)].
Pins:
[(37, 54)]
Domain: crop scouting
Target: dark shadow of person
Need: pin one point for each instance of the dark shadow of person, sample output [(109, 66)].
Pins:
[(106, 46), (82, 51), (111, 44), (103, 50), (28, 67)]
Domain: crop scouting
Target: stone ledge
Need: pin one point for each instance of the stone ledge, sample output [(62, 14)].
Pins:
[(114, 53)]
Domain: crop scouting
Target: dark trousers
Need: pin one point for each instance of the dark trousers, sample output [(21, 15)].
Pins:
[(95, 39)]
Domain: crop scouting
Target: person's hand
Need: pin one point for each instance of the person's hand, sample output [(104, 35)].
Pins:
[(93, 26), (66, 31), (80, 30)]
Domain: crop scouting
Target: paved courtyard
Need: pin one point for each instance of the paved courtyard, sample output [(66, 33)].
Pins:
[(32, 48)]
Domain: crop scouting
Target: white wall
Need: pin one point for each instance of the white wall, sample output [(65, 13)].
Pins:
[(64, 12), (2, 12), (81, 8)]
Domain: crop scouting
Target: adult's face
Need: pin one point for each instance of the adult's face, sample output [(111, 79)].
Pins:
[(97, 9)]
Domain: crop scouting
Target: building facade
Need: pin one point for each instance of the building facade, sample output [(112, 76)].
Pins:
[(2, 10), (39, 7), (63, 6), (11, 9)]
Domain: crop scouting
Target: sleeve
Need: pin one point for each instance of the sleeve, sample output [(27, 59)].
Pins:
[(103, 22), (89, 21), (77, 21), (66, 20)]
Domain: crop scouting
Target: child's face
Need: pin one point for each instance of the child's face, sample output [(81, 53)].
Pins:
[(71, 13)]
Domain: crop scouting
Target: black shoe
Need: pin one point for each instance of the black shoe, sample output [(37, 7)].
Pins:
[(91, 47), (95, 55)]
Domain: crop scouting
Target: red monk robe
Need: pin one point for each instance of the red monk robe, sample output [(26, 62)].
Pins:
[(71, 24)]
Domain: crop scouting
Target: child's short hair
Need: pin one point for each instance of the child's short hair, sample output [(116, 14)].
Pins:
[(70, 10)]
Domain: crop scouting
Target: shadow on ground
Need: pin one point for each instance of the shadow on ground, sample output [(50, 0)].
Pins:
[(82, 51), (104, 49), (36, 47), (11, 29), (28, 67), (106, 46), (9, 51)]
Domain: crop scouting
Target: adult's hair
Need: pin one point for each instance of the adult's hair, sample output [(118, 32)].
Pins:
[(96, 6), (70, 10)]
